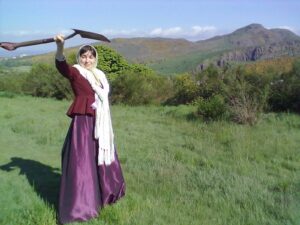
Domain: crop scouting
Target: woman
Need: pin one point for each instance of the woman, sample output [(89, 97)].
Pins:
[(91, 172)]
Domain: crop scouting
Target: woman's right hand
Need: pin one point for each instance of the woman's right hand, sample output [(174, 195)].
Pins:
[(59, 39)]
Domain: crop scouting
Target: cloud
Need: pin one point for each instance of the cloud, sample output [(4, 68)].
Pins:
[(192, 33), (167, 32), (287, 28), (196, 30), (294, 30), (122, 33)]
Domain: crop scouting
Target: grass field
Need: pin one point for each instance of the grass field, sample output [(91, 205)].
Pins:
[(177, 170)]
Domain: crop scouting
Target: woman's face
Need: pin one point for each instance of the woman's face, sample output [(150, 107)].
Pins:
[(87, 60)]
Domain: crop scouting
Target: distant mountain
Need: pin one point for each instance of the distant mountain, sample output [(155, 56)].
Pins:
[(256, 35), (254, 42), (250, 43)]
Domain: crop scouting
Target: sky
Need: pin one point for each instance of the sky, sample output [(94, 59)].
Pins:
[(24, 20)]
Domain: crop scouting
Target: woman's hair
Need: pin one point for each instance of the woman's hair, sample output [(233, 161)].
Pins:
[(86, 48)]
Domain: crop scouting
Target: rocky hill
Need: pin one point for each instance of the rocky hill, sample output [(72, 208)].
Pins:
[(254, 42)]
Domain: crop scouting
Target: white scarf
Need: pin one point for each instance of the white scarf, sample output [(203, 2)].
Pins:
[(103, 126)]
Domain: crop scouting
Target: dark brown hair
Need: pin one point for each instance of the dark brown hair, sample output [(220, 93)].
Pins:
[(86, 48)]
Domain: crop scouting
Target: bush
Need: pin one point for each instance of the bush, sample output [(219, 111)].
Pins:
[(245, 109), (246, 95), (211, 82), (45, 81), (285, 91), (12, 83), (213, 108), (185, 90), (139, 88), (231, 93)]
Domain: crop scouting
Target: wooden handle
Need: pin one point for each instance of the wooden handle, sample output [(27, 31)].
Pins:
[(36, 42), (41, 41)]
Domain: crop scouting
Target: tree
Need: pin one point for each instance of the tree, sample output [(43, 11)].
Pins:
[(109, 61)]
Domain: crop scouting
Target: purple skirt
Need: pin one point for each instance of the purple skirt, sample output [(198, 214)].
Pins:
[(85, 186)]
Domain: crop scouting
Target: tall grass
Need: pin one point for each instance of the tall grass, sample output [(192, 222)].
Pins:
[(177, 170)]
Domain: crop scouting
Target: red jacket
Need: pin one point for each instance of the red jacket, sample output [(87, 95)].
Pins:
[(84, 94)]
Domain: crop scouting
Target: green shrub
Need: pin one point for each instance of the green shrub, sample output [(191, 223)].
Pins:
[(139, 88), (111, 62), (211, 82), (12, 82), (246, 96), (285, 91), (212, 108), (185, 90), (45, 81), (233, 93)]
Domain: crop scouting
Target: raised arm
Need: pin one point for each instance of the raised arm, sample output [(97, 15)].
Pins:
[(60, 41), (60, 61)]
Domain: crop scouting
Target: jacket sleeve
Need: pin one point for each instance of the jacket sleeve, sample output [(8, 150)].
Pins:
[(65, 69)]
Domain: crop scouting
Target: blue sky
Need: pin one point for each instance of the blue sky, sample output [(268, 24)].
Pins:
[(22, 20)]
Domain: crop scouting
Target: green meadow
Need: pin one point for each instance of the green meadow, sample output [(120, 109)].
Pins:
[(178, 170)]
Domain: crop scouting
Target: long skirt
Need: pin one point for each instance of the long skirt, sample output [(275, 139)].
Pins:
[(85, 186)]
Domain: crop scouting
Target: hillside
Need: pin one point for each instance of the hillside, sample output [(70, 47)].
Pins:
[(250, 43), (254, 42), (169, 56)]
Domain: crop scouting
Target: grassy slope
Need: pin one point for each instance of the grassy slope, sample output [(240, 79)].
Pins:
[(182, 64), (177, 171)]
